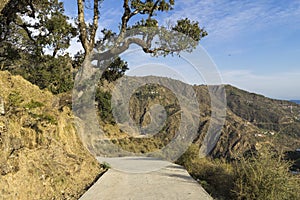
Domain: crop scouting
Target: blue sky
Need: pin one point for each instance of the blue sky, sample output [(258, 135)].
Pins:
[(255, 44)]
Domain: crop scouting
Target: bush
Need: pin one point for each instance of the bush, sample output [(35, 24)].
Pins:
[(265, 176), (15, 99), (105, 166), (261, 176), (55, 74), (34, 104), (103, 99), (215, 176)]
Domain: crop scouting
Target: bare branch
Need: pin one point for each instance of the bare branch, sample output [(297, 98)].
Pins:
[(32, 14), (82, 26), (137, 11), (95, 23), (145, 45), (153, 8), (125, 17)]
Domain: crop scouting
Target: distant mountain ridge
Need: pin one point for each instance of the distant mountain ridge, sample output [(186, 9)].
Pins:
[(252, 120), (295, 101)]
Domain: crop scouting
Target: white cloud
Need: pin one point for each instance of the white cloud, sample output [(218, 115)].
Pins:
[(230, 22), (225, 19)]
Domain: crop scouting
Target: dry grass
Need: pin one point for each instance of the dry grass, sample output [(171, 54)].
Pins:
[(42, 156)]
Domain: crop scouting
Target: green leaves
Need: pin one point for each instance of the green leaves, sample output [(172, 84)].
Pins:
[(36, 25), (190, 29), (115, 70), (28, 28), (103, 99), (59, 33), (149, 6)]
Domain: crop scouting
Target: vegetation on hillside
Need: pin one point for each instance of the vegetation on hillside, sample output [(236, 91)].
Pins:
[(39, 145), (261, 175), (226, 173), (277, 118), (34, 36), (42, 156)]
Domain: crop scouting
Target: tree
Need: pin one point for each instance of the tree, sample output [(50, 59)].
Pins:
[(33, 37), (147, 11), (55, 74), (33, 26)]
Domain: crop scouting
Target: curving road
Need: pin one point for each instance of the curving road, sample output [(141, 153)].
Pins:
[(138, 178)]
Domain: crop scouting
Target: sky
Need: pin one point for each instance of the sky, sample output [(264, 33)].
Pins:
[(253, 44)]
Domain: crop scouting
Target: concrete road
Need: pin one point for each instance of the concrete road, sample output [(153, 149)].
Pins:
[(133, 178)]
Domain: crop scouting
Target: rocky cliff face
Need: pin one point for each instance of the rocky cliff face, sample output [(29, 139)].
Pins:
[(41, 154)]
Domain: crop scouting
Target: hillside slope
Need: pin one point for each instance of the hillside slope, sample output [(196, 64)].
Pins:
[(277, 118), (252, 120), (41, 154)]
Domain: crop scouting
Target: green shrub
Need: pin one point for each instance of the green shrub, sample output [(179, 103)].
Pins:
[(261, 176), (45, 117), (34, 104), (15, 99), (105, 165), (103, 98), (265, 176), (215, 176), (49, 72)]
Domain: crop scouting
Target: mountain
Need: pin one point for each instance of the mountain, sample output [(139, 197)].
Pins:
[(274, 117), (41, 154), (252, 120), (295, 101)]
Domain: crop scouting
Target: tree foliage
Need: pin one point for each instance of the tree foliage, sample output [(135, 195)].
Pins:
[(31, 26), (34, 36), (115, 70), (146, 12), (55, 74), (103, 98)]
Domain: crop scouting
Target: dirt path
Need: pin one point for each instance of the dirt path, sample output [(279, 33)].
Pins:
[(144, 179)]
